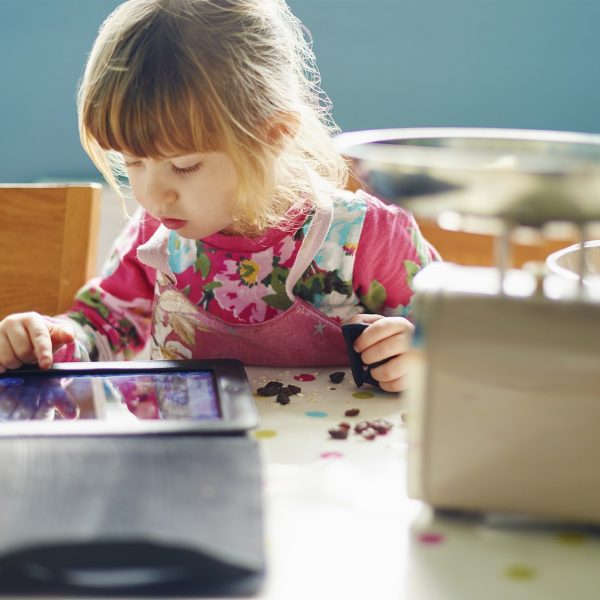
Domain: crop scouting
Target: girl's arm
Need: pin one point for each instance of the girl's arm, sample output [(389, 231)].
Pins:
[(111, 313), (390, 252)]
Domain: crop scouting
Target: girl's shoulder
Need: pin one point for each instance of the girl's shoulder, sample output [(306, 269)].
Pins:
[(347, 199), (373, 210), (362, 198)]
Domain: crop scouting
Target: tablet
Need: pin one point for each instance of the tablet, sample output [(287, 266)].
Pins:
[(145, 397)]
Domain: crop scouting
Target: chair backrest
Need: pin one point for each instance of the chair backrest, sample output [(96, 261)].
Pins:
[(479, 249), (48, 244)]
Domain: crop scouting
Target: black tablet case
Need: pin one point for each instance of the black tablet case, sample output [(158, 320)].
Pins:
[(189, 508)]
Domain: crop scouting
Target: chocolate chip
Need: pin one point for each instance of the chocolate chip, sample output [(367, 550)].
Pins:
[(272, 388), (362, 426), (265, 391), (369, 433), (344, 425), (381, 426), (283, 398), (338, 433), (352, 412), (290, 389), (337, 377)]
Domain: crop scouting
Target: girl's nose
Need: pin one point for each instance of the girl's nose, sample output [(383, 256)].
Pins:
[(159, 192)]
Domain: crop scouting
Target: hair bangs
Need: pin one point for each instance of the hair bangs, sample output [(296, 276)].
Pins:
[(151, 122), (147, 103)]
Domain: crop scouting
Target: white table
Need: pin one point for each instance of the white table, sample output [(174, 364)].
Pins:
[(339, 523)]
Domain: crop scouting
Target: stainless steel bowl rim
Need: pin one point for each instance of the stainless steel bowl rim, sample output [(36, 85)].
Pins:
[(366, 146)]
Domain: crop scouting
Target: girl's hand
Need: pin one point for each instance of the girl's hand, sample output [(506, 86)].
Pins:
[(386, 337), (30, 337)]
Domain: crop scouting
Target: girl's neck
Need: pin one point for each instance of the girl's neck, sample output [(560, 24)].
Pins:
[(288, 220)]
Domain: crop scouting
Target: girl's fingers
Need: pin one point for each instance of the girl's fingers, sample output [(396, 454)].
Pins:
[(6, 353), (391, 370), (383, 328), (60, 334), (397, 385), (390, 346), (39, 335), (24, 338), (365, 318), (12, 351)]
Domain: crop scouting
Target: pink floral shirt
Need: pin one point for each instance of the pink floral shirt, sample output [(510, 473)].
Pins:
[(366, 264)]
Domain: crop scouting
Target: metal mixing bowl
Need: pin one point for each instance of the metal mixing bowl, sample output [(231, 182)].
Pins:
[(522, 177)]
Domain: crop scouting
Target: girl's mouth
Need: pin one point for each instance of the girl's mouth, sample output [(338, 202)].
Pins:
[(173, 223)]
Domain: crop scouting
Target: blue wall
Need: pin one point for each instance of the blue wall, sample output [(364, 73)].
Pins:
[(385, 63)]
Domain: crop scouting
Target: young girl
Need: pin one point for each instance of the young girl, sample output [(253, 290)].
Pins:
[(245, 244)]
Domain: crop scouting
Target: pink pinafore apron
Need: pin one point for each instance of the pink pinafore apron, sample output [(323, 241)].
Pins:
[(300, 336)]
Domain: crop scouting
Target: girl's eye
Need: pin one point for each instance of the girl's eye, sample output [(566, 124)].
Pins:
[(133, 163), (187, 170)]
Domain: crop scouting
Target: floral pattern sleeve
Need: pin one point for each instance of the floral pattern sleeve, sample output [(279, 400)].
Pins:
[(112, 313), (390, 252)]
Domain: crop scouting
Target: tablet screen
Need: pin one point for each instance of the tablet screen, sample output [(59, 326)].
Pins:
[(110, 397)]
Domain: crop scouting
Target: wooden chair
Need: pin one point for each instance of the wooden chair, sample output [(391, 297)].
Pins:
[(48, 239), (475, 249)]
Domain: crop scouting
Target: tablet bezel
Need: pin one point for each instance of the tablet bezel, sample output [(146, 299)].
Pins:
[(234, 396)]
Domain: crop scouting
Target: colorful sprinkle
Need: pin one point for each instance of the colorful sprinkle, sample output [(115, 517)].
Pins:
[(431, 538), (520, 572), (363, 395), (331, 455), (319, 414), (571, 538), (304, 377), (263, 434)]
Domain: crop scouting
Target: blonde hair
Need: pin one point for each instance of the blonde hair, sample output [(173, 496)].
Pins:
[(168, 77)]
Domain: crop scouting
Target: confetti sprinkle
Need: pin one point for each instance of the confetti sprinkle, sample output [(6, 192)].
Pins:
[(316, 413), (571, 538), (520, 572), (263, 434), (431, 538), (304, 377), (363, 395), (331, 455)]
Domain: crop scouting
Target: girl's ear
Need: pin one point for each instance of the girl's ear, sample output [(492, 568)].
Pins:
[(282, 126)]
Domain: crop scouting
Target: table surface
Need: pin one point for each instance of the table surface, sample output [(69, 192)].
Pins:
[(339, 523)]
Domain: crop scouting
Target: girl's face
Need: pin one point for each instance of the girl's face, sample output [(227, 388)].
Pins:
[(194, 194)]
